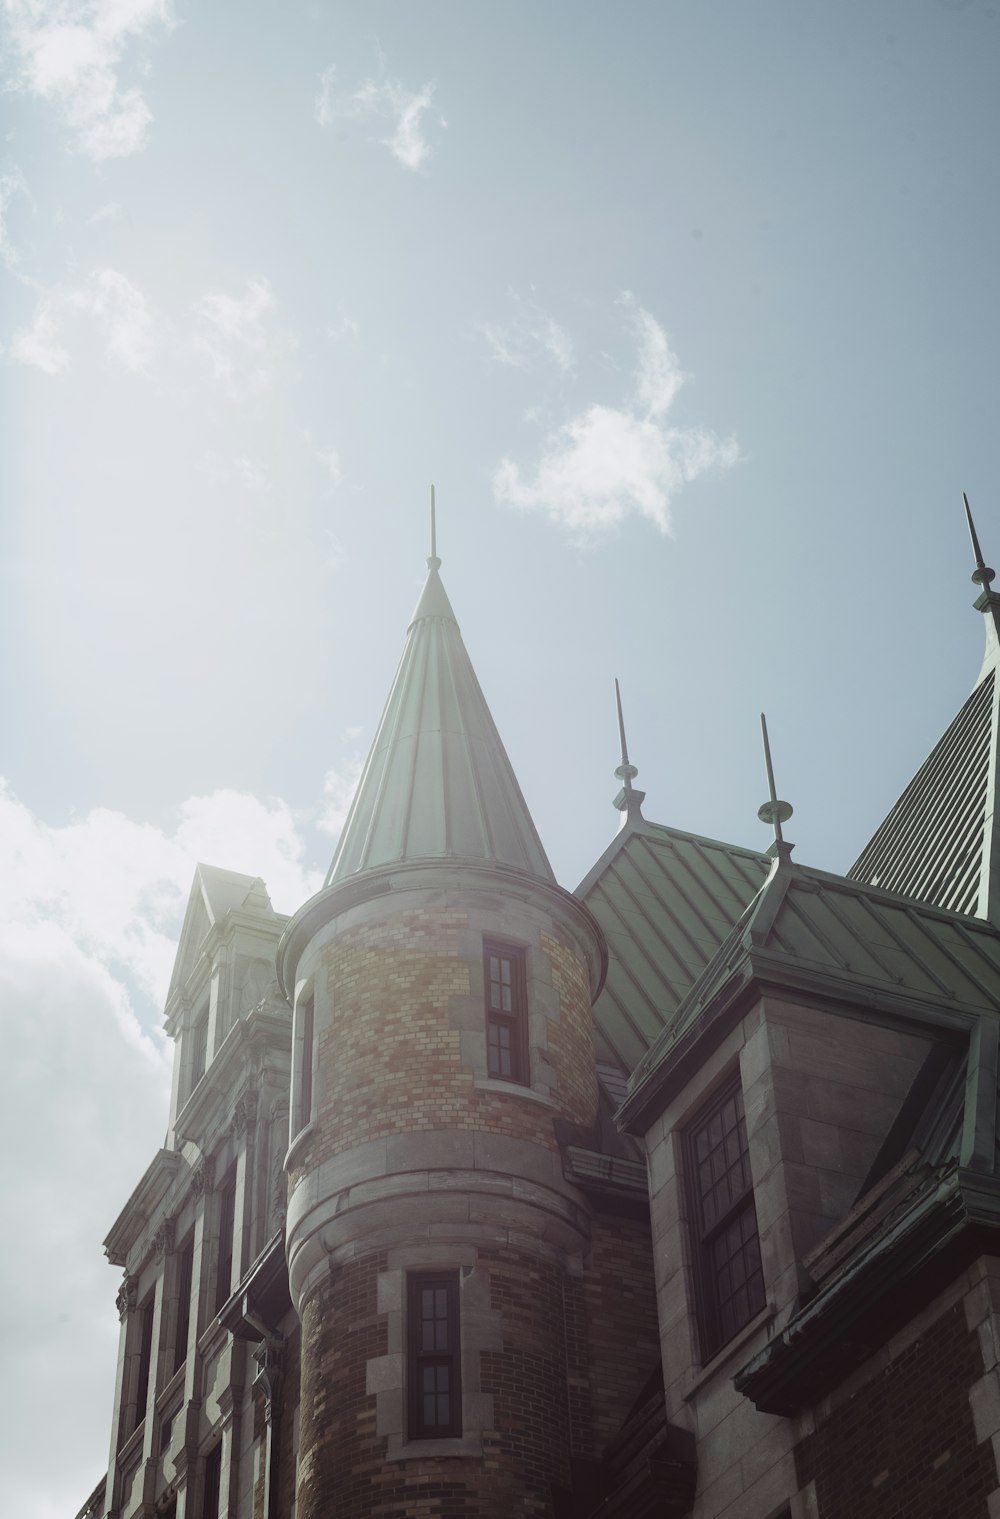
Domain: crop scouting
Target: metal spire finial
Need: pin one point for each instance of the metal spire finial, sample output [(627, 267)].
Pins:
[(433, 562), (982, 574), (773, 811), (628, 801)]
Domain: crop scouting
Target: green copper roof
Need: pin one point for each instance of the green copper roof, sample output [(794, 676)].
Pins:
[(939, 842), (437, 784), (666, 900)]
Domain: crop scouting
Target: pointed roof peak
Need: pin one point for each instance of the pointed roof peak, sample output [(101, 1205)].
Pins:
[(437, 784)]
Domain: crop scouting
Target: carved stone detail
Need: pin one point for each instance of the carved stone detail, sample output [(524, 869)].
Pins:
[(245, 1113), (204, 1177), (128, 1296), (270, 1358), (165, 1236)]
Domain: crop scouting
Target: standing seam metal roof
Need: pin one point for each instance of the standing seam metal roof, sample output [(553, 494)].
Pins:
[(437, 783)]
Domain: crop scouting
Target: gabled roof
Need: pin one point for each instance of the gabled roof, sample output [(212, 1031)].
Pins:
[(437, 783), (666, 900), (807, 927), (214, 893)]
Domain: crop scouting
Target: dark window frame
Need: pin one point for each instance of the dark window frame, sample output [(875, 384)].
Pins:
[(722, 1217), (185, 1288), (211, 1491), (510, 1026), (226, 1242), (145, 1366), (421, 1358)]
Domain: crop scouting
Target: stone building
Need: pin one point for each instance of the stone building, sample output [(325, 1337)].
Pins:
[(673, 1195)]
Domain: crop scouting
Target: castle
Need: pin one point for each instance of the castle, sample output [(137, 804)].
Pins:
[(673, 1195)]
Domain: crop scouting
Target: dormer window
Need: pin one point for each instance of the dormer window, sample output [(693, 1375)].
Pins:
[(506, 1013)]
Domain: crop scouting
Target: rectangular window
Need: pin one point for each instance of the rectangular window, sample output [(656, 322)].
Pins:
[(227, 1222), (506, 1013), (212, 1483), (306, 1087), (433, 1360), (729, 1277), (199, 1049), (145, 1360), (185, 1265)]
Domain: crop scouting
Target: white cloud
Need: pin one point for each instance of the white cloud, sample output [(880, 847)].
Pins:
[(72, 53), (330, 460), (238, 336), (89, 916), (111, 211), (385, 101), (122, 312), (530, 331), (12, 184), (343, 327), (608, 462), (339, 786), (38, 344)]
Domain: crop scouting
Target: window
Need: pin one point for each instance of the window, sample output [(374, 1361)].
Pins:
[(729, 1279), (199, 1049), (506, 1013), (306, 1008), (185, 1266), (227, 1221), (433, 1361), (212, 1483), (145, 1358)]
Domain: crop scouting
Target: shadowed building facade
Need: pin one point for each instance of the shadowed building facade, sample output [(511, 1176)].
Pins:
[(673, 1195)]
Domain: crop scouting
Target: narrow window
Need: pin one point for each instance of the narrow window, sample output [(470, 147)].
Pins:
[(199, 1049), (212, 1483), (729, 1278), (435, 1395), (224, 1266), (145, 1359), (183, 1323), (506, 1013), (307, 1056)]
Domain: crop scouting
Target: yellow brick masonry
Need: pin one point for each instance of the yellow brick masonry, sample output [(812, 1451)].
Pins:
[(390, 1061)]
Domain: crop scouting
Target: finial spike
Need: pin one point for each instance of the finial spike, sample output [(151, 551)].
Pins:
[(433, 562), (773, 811), (982, 574), (629, 800)]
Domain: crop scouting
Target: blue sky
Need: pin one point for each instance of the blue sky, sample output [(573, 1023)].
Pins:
[(690, 313)]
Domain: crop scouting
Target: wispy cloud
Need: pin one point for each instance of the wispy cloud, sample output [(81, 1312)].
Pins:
[(610, 461), (529, 332), (120, 308), (38, 344), (388, 103), (73, 53), (339, 786), (12, 185), (238, 336)]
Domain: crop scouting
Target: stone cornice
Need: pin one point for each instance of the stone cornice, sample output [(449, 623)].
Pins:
[(142, 1204)]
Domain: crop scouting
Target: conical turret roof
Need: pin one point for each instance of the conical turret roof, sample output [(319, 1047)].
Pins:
[(437, 784)]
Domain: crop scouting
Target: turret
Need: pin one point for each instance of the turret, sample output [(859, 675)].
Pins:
[(442, 985)]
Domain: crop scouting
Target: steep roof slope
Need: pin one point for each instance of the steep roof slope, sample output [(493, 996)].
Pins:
[(437, 784)]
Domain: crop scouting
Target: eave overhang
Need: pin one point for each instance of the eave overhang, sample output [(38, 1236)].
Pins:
[(949, 1220), (754, 974), (142, 1204), (262, 1299)]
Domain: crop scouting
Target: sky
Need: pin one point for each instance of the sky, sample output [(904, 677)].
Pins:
[(689, 312)]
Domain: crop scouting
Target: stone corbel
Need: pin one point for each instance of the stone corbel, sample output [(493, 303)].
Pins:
[(128, 1296), (204, 1177), (165, 1237)]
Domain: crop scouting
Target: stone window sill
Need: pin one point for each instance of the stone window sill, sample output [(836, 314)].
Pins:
[(730, 1350), (511, 1089), (470, 1444)]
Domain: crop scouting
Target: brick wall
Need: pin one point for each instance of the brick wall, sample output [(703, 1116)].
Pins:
[(904, 1446), (623, 1336), (391, 1060)]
